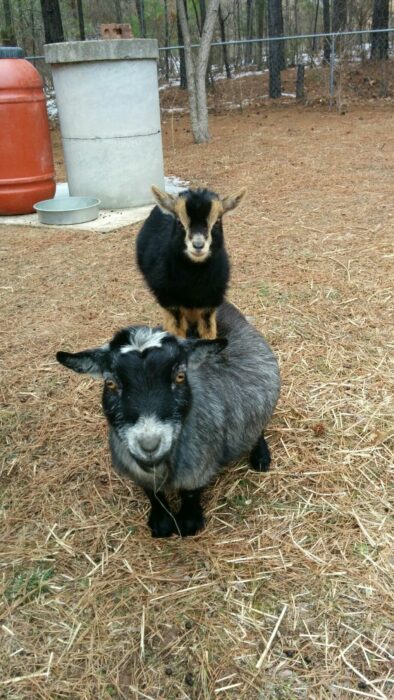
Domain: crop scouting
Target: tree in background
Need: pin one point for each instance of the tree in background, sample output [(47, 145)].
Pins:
[(182, 62), (339, 15), (8, 36), (140, 5), (249, 30), (326, 30), (380, 20), (78, 17), (52, 19), (81, 21), (261, 11), (197, 70), (166, 41), (275, 51), (222, 25)]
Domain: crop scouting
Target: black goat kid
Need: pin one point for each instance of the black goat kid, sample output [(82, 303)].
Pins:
[(181, 253)]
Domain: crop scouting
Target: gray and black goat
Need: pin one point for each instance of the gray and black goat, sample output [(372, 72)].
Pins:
[(181, 253), (180, 410)]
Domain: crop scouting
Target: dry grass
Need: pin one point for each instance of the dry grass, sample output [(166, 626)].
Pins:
[(288, 591)]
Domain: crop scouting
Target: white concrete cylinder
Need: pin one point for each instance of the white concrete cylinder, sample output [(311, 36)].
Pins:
[(108, 101)]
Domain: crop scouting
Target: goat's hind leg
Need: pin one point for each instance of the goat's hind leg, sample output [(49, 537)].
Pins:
[(206, 325), (175, 322), (161, 521), (260, 457)]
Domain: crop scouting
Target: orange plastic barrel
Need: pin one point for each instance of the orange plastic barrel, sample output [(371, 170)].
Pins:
[(26, 163)]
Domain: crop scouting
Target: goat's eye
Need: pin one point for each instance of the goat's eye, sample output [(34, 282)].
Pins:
[(180, 377), (112, 386)]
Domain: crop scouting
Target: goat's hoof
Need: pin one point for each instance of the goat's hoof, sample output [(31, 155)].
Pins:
[(260, 457), (162, 526), (189, 525)]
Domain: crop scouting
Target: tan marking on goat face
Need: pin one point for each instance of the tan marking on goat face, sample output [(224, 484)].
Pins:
[(181, 213), (215, 213)]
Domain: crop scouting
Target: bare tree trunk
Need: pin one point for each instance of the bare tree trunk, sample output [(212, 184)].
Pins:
[(249, 30), (314, 30), (296, 16), (196, 71), (380, 20), (140, 5), (166, 41), (81, 21), (52, 19), (339, 14), (275, 58), (238, 33), (326, 30), (118, 12), (33, 28), (8, 34), (197, 16), (260, 30), (182, 63), (281, 33), (190, 70), (223, 38)]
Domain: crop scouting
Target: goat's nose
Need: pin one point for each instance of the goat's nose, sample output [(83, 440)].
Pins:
[(149, 443), (198, 242)]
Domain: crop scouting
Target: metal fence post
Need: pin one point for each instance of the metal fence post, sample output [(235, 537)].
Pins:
[(332, 67)]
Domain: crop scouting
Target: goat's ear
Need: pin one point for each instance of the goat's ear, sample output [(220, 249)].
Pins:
[(165, 201), (199, 350), (231, 202), (85, 362)]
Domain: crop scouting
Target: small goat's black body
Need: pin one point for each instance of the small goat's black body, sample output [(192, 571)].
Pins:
[(174, 279), (181, 253)]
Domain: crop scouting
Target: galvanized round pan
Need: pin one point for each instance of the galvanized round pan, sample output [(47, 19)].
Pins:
[(67, 210)]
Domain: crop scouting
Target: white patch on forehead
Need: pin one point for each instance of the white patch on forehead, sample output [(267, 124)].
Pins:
[(143, 338)]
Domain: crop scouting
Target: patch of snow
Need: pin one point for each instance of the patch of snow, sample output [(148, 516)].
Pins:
[(174, 184), (172, 83), (171, 110), (51, 104)]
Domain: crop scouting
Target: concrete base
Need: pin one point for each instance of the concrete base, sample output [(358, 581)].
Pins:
[(108, 219)]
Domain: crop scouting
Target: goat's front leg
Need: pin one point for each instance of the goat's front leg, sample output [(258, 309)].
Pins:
[(161, 521), (190, 518)]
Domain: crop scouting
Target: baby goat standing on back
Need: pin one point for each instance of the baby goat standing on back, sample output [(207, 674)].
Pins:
[(181, 253)]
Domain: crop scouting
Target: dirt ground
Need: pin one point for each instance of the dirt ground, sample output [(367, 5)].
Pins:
[(93, 607)]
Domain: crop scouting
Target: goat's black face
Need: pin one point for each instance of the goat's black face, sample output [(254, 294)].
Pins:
[(146, 390), (198, 218), (148, 401)]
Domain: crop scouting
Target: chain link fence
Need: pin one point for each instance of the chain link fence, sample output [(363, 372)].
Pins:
[(326, 68), (332, 69)]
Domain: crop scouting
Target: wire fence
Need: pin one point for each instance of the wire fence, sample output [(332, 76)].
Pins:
[(333, 68)]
